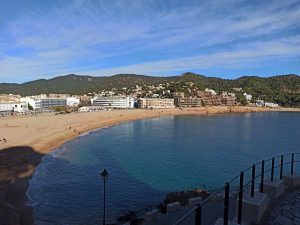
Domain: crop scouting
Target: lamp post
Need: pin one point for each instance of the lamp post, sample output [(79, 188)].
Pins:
[(104, 176)]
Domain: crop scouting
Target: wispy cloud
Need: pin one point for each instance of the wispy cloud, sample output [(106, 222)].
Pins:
[(107, 37), (253, 55)]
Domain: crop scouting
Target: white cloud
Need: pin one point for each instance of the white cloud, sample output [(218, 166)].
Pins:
[(253, 55), (58, 41)]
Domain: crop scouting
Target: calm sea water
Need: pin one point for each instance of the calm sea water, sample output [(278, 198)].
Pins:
[(148, 158)]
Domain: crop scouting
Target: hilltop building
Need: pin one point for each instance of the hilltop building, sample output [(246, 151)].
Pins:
[(113, 102), (58, 95), (213, 92), (248, 97), (179, 94), (155, 103), (9, 98)]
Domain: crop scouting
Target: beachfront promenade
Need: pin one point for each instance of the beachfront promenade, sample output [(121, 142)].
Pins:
[(271, 196), (284, 211)]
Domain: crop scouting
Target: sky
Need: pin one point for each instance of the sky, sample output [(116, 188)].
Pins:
[(222, 38)]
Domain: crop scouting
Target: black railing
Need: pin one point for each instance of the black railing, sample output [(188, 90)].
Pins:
[(234, 192)]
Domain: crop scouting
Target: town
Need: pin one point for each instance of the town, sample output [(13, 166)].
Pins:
[(148, 97)]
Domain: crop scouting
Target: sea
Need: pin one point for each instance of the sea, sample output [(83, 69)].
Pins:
[(146, 159)]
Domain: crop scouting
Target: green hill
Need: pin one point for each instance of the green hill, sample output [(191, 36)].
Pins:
[(283, 89)]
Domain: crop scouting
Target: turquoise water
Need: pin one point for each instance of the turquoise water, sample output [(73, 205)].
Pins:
[(148, 158)]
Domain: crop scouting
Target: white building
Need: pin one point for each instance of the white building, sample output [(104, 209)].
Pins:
[(72, 101), (6, 108), (271, 105), (213, 92), (34, 102), (47, 103), (20, 107), (248, 97), (84, 109), (225, 93), (113, 102), (259, 103), (44, 103)]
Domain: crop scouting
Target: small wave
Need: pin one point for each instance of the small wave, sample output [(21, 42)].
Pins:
[(84, 134)]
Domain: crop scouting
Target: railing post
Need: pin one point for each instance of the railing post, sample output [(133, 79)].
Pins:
[(253, 181), (292, 164), (198, 215), (241, 191), (226, 204), (281, 167), (262, 176), (272, 170)]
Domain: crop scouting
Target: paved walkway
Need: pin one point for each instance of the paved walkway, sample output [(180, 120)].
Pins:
[(285, 211)]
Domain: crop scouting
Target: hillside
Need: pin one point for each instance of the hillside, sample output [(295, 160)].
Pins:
[(283, 89)]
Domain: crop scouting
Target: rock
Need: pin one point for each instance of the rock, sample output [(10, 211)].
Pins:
[(283, 221)]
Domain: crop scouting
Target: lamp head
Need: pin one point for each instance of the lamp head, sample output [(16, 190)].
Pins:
[(104, 175)]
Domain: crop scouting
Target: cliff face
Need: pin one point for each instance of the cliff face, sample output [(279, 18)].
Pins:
[(17, 165)]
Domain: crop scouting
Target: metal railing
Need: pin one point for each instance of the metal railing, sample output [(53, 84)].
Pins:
[(232, 192)]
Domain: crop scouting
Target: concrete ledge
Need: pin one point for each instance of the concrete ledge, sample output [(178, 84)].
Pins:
[(173, 206), (220, 196), (194, 201), (274, 189), (149, 215), (291, 180), (254, 208), (220, 222)]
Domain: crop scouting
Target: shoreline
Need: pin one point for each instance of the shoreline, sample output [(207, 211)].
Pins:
[(29, 138), (50, 131)]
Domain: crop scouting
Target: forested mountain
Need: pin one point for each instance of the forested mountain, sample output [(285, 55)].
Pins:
[(283, 89)]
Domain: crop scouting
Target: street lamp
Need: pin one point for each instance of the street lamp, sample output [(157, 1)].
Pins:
[(104, 176)]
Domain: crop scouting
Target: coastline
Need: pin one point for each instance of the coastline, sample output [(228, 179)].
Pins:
[(47, 132), (31, 137)]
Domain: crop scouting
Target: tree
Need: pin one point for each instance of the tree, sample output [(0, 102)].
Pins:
[(30, 107), (242, 99)]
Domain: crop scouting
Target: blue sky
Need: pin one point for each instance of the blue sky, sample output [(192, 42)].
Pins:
[(224, 38)]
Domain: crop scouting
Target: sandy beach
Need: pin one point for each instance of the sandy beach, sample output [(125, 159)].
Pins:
[(25, 139), (46, 132)]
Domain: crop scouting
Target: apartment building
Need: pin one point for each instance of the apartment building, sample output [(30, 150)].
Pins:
[(113, 102), (155, 103)]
